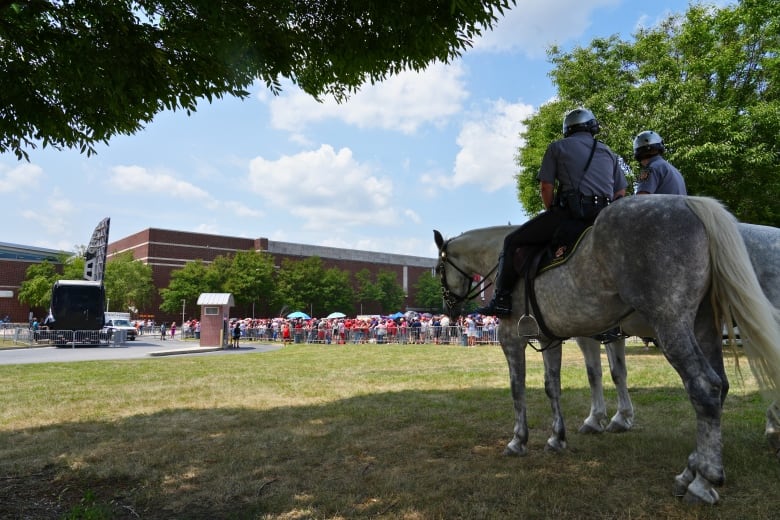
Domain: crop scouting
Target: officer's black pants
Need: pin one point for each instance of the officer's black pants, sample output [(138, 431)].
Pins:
[(536, 232)]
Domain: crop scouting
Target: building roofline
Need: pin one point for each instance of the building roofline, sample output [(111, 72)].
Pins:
[(9, 251), (306, 250)]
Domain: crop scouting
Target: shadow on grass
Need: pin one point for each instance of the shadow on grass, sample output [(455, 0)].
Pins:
[(410, 454)]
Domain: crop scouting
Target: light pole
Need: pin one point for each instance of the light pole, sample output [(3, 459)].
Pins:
[(108, 300), (183, 301)]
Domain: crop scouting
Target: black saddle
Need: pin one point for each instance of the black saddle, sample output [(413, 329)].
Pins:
[(530, 260)]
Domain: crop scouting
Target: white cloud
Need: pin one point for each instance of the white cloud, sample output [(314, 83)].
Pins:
[(56, 219), (324, 188), (533, 26), (488, 144), (403, 102), (242, 210), (20, 178), (138, 179), (301, 140), (655, 17), (412, 215), (210, 229)]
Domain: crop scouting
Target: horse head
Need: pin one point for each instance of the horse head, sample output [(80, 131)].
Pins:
[(453, 289), (464, 263)]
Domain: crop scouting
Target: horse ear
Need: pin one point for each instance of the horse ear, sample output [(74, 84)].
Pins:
[(438, 238)]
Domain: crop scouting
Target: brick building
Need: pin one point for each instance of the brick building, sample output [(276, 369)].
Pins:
[(166, 250), (14, 261)]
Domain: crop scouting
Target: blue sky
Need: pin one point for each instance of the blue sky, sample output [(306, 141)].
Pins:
[(421, 151)]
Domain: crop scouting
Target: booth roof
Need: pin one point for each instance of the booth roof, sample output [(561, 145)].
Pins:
[(216, 299)]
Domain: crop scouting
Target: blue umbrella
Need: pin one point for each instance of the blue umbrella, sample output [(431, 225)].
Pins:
[(298, 314), (397, 315)]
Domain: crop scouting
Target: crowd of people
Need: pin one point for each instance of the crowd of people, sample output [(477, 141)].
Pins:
[(413, 329), (471, 330)]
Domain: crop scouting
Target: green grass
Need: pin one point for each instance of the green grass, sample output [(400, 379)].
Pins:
[(355, 431)]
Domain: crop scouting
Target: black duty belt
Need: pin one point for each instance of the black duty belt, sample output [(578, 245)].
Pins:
[(595, 200)]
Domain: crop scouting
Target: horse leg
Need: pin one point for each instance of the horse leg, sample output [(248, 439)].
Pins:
[(709, 337), (514, 351), (704, 386), (551, 353), (591, 351), (623, 419), (773, 427)]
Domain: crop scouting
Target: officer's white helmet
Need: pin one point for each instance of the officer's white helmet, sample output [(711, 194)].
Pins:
[(579, 120), (647, 144)]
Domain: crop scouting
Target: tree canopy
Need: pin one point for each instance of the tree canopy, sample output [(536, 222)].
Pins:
[(187, 284), (706, 81), (74, 74), (35, 289), (428, 289), (128, 283), (307, 285), (265, 290)]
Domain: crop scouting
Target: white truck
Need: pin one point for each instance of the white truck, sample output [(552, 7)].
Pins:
[(120, 321)]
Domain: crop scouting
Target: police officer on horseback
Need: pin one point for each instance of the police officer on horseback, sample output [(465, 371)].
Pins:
[(656, 174), (589, 176)]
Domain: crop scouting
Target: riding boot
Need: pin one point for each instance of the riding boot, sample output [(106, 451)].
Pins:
[(501, 303)]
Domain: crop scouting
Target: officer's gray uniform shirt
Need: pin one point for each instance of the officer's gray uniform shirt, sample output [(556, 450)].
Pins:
[(658, 176), (565, 161)]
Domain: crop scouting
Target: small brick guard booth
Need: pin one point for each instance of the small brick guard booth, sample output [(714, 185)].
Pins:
[(214, 315)]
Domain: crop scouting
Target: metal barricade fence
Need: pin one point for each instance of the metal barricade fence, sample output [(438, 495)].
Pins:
[(62, 338), (452, 335)]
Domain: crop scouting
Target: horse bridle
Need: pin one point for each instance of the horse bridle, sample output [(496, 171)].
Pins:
[(451, 298)]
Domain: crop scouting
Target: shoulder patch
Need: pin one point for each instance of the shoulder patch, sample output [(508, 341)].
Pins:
[(644, 173)]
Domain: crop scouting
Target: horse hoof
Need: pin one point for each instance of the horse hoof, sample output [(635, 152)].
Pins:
[(700, 491), (510, 452), (590, 429), (515, 449), (682, 481), (617, 427), (709, 497), (555, 446)]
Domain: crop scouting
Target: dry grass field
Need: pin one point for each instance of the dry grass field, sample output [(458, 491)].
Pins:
[(356, 431)]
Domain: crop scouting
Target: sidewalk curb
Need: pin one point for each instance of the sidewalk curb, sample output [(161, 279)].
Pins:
[(185, 350)]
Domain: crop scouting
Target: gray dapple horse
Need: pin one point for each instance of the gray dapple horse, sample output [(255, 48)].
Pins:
[(763, 246), (679, 280)]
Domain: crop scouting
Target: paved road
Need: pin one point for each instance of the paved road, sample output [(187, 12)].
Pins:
[(143, 347)]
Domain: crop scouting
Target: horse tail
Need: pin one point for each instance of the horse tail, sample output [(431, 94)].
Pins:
[(737, 295)]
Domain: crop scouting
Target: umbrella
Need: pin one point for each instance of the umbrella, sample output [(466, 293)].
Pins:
[(298, 314), (397, 315), (335, 315)]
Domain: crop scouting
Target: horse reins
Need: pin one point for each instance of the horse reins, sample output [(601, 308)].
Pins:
[(451, 298)]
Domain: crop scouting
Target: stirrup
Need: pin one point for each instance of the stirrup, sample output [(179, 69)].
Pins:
[(528, 327), (609, 336)]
